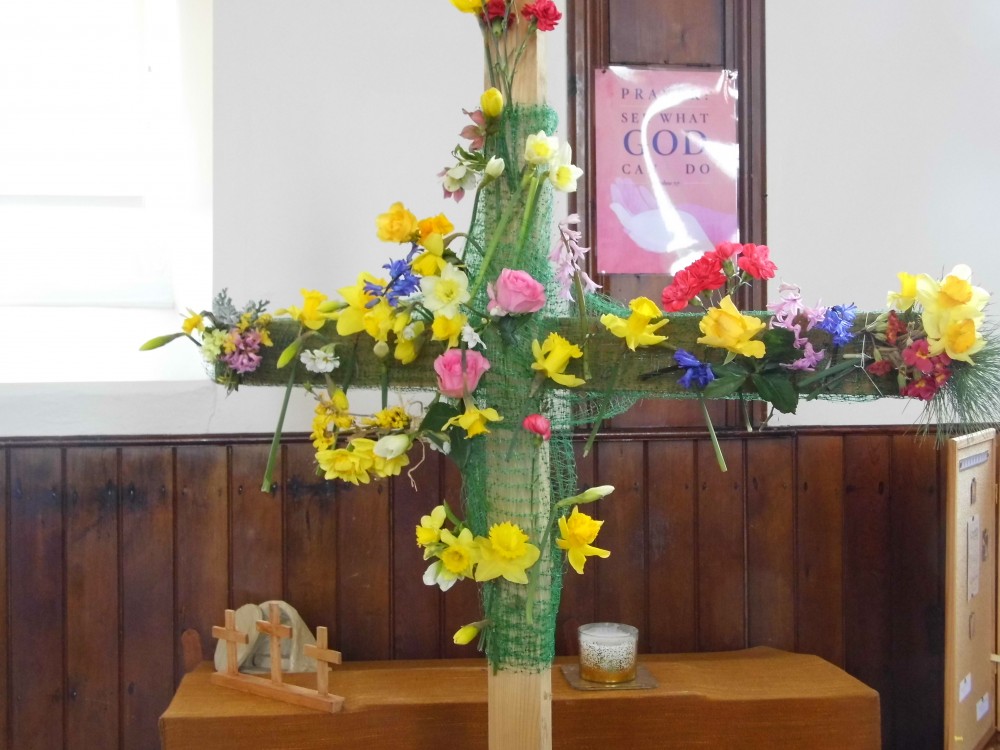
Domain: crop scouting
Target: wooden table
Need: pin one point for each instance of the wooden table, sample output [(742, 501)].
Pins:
[(758, 698)]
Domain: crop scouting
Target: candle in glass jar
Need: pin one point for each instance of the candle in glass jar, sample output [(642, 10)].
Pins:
[(608, 652)]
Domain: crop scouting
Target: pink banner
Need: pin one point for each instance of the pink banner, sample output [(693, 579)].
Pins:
[(667, 161)]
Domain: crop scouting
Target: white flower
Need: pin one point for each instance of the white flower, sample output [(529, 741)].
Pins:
[(458, 178), (562, 173), (471, 338), (319, 360), (445, 294), (494, 167), (539, 148), (438, 575), (392, 446)]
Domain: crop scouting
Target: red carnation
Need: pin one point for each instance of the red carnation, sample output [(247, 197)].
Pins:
[(727, 250), (544, 13), (679, 293), (756, 261), (495, 10), (706, 274)]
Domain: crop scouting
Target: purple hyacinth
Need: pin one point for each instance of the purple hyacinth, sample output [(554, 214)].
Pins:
[(696, 372), (244, 357), (838, 322)]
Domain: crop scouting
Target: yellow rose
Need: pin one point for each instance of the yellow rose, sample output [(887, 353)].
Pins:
[(397, 224), (491, 102), (727, 328)]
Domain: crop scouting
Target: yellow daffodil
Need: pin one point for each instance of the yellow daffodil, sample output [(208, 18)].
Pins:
[(506, 552), (448, 329), (468, 6), (562, 173), (955, 332), (953, 291), (460, 553), (352, 465), (578, 532), (397, 224), (429, 530), (903, 299), (539, 148), (491, 102), (193, 322), (638, 329), (553, 356), (445, 294), (726, 327), (310, 314), (379, 319), (474, 420), (439, 225), (430, 262), (351, 319)]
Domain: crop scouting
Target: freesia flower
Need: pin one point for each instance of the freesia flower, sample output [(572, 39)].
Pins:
[(446, 293), (639, 328), (538, 424), (507, 553), (578, 532), (552, 358), (544, 13), (459, 371), (726, 327), (515, 293), (540, 148), (474, 420), (491, 102), (397, 224)]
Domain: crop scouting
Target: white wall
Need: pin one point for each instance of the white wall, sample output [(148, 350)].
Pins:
[(882, 157), (883, 153)]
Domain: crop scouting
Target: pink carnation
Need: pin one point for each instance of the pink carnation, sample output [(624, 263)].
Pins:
[(515, 293), (538, 424), (459, 370), (544, 13)]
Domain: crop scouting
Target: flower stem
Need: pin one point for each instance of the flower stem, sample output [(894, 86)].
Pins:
[(581, 311), (498, 233), (526, 220), (272, 456), (711, 431)]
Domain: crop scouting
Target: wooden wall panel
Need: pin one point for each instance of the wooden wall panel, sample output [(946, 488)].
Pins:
[(202, 541), (771, 543), (721, 559), (621, 594), (37, 576), (149, 639), (363, 538), (667, 32), (255, 527), (92, 584), (579, 592), (460, 605), (311, 561), (4, 599), (417, 630), (867, 565), (917, 594), (673, 585), (819, 470)]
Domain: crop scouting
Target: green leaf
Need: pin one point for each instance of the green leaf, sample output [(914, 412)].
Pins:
[(779, 343), (437, 415), (777, 390), (828, 372), (459, 446), (160, 341), (725, 386)]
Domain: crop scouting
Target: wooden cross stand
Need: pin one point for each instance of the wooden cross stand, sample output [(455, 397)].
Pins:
[(275, 687)]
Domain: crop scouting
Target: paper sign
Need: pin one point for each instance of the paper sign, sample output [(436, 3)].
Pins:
[(666, 159), (982, 707), (973, 556), (965, 687)]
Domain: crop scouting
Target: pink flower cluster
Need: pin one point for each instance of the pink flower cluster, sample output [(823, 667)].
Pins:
[(712, 271), (242, 350), (929, 373), (791, 315), (568, 258)]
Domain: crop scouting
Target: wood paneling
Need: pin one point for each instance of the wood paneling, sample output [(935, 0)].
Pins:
[(825, 541), (256, 528), (666, 32)]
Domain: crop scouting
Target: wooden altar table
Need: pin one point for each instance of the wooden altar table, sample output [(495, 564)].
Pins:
[(757, 698)]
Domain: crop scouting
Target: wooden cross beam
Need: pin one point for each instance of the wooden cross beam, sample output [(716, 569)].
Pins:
[(275, 631), (232, 637), (324, 658)]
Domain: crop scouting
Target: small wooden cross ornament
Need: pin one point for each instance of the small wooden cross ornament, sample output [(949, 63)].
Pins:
[(274, 630), (324, 658), (232, 637)]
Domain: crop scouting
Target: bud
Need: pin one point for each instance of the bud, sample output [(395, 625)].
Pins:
[(381, 349), (491, 102), (392, 446), (494, 167), (596, 493), (467, 633)]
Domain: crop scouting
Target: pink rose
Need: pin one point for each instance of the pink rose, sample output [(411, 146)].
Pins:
[(455, 377), (539, 425), (514, 293)]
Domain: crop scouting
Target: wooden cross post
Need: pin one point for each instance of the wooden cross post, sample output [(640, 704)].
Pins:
[(232, 637), (324, 658), (274, 630)]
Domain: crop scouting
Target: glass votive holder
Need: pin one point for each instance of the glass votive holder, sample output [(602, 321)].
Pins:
[(608, 652)]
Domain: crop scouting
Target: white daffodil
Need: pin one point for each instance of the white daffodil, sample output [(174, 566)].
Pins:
[(445, 294)]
